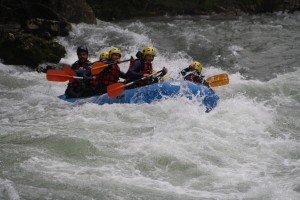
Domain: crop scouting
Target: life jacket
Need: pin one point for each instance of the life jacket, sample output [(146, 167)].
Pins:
[(78, 65), (194, 78), (131, 63), (108, 76), (146, 69)]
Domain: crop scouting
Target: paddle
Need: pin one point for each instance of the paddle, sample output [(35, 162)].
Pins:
[(60, 76), (98, 66), (116, 89), (69, 70), (218, 80)]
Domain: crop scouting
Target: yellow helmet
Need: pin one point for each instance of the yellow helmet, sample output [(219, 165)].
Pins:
[(114, 50), (148, 51), (104, 55), (198, 66)]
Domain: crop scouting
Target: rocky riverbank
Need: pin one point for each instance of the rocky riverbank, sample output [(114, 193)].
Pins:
[(27, 29)]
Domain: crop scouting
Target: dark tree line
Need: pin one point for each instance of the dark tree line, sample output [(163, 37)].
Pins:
[(120, 9)]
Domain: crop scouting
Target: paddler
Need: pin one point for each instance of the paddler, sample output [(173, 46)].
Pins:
[(82, 67), (110, 74), (193, 73), (143, 68)]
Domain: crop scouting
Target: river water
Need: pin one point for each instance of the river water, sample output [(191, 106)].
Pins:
[(248, 147)]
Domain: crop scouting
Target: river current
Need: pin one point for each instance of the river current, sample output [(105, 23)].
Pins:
[(248, 147)]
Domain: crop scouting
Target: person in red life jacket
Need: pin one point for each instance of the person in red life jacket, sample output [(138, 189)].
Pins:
[(82, 62), (193, 73), (82, 67), (110, 74), (143, 67)]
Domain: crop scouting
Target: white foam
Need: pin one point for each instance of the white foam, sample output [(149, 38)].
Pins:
[(246, 147), (8, 189)]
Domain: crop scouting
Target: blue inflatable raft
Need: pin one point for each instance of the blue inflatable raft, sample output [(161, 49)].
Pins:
[(150, 93)]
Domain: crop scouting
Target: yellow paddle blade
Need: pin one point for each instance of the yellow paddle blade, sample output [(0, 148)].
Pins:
[(98, 67), (218, 80)]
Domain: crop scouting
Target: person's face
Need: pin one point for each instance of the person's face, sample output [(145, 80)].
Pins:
[(102, 59), (115, 56), (82, 56), (149, 58), (192, 67)]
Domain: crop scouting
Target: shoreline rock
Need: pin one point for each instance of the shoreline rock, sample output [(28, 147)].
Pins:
[(27, 29), (30, 50)]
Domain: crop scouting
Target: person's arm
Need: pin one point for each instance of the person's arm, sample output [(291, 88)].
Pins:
[(185, 71), (157, 78), (160, 75), (135, 72), (200, 79), (123, 75)]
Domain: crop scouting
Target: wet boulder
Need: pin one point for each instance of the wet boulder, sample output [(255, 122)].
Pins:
[(47, 28), (27, 28), (30, 50)]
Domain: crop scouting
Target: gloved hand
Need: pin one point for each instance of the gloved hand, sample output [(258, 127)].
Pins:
[(154, 73), (80, 72), (147, 76), (85, 79), (183, 73)]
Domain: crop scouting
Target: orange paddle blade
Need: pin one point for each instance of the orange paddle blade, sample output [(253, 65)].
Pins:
[(69, 70), (98, 67), (115, 89), (58, 75), (218, 80)]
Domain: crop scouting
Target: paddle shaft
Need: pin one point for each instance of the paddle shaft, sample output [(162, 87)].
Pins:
[(108, 64), (98, 67), (117, 88), (75, 77), (141, 79), (119, 62)]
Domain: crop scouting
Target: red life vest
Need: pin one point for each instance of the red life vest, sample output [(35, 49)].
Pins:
[(147, 69), (94, 82), (77, 66), (108, 76)]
